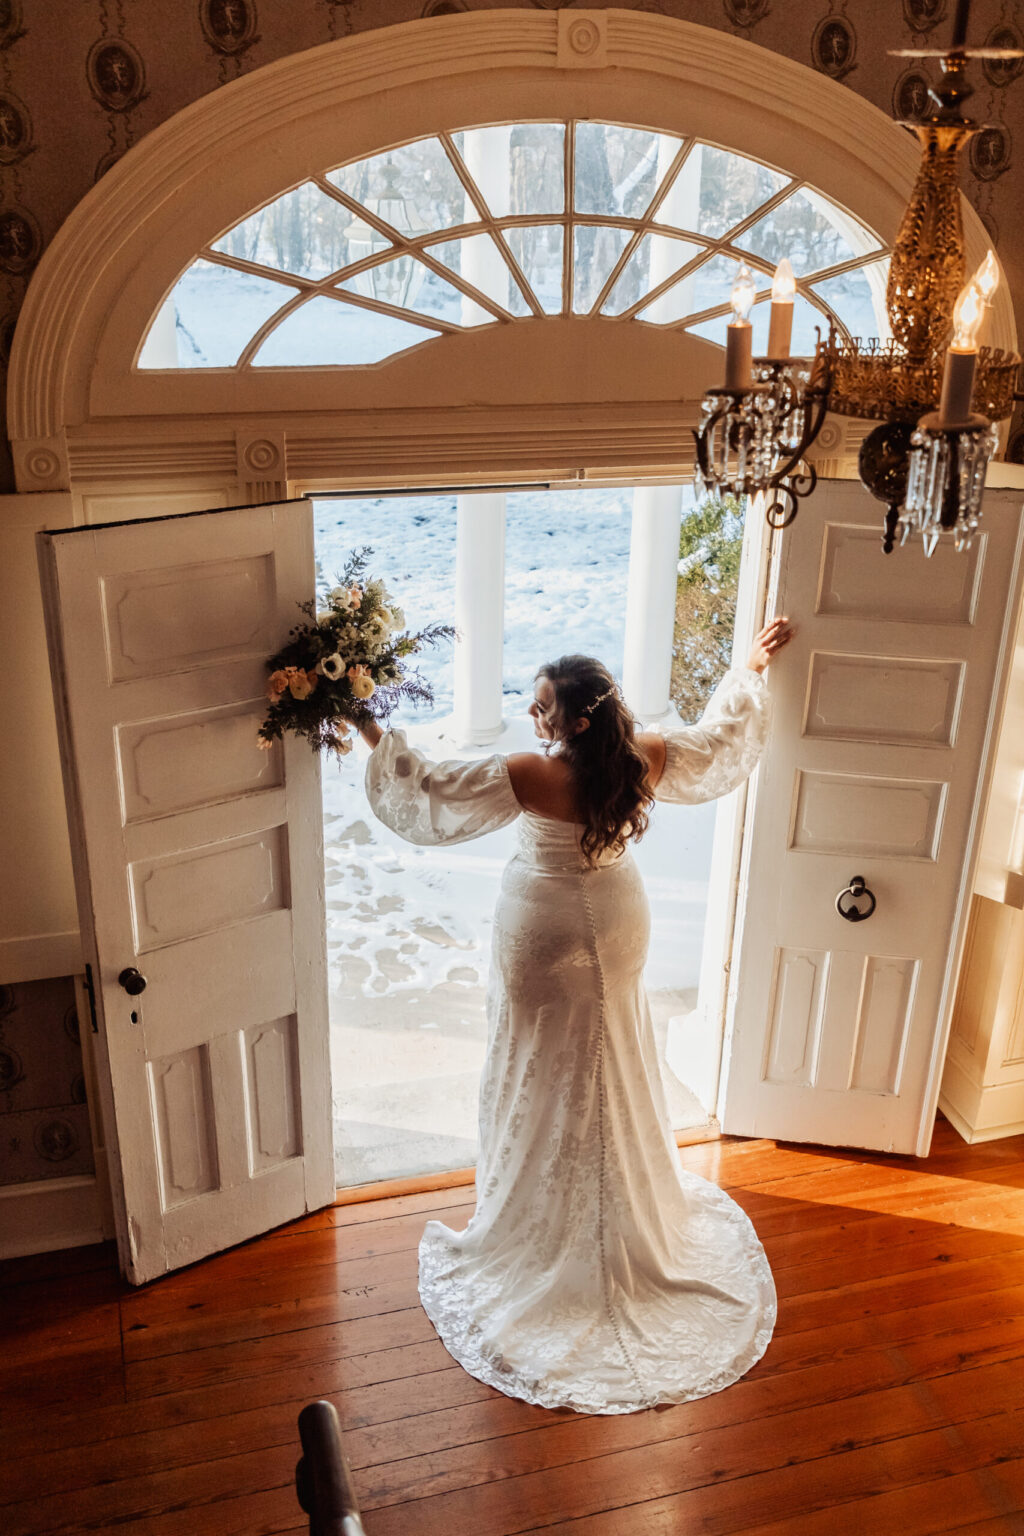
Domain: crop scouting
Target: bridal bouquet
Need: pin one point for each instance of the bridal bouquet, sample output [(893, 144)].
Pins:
[(348, 662)]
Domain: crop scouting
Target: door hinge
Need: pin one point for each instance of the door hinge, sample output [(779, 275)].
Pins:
[(91, 994)]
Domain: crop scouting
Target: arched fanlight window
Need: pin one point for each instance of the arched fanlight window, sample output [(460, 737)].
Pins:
[(507, 223)]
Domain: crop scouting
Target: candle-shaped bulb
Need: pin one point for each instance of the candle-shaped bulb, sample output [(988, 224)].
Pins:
[(743, 293), (783, 283), (968, 313), (986, 279)]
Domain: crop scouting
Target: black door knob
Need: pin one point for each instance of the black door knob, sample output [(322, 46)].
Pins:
[(846, 901), (133, 981)]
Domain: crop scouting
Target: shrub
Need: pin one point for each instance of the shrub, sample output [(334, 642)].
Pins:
[(710, 543)]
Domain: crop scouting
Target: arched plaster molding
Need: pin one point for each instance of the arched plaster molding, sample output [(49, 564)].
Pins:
[(126, 242)]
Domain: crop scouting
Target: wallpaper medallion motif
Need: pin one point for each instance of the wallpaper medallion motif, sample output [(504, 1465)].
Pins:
[(15, 129), (923, 15), (1003, 72), (910, 97), (11, 28), (990, 152), (116, 74), (21, 243), (834, 46), (229, 27), (746, 13)]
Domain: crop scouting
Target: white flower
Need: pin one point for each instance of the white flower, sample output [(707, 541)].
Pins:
[(344, 599), (332, 667), (397, 617)]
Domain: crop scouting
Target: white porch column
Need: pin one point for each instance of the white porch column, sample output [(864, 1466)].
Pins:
[(651, 600), (479, 618), (489, 161), (681, 208)]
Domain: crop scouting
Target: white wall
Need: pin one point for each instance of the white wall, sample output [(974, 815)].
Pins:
[(38, 918)]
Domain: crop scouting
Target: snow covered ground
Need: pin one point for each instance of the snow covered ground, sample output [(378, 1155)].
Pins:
[(408, 929)]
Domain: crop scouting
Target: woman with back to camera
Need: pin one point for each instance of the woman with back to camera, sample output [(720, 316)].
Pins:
[(595, 1272)]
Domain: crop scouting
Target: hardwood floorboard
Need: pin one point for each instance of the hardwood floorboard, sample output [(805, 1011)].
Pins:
[(706, 1492), (891, 1399), (452, 1410), (934, 1508), (166, 1322)]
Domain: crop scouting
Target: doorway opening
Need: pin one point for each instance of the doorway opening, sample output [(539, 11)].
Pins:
[(409, 928)]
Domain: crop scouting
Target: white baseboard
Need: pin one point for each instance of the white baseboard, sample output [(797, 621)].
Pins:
[(49, 1214), (40, 955), (973, 1135), (980, 1111)]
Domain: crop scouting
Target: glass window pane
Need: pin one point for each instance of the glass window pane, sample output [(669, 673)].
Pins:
[(538, 250), (807, 321), (618, 170), (652, 263), (731, 187), (305, 232), (328, 331), (811, 231), (478, 260), (210, 315), (408, 284), (414, 189), (706, 288), (858, 298), (596, 249), (519, 167)]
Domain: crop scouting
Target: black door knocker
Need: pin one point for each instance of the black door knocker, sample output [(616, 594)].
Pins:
[(855, 891)]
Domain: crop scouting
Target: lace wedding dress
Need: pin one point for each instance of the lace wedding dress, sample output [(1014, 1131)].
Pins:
[(595, 1273)]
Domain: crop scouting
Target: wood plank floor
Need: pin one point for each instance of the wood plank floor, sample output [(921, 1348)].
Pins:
[(891, 1399)]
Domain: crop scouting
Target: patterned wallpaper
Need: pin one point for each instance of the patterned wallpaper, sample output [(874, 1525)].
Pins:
[(44, 1121), (81, 83)]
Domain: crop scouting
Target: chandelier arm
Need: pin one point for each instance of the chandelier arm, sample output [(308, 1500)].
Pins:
[(787, 495)]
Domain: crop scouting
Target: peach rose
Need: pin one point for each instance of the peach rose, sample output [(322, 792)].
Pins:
[(302, 684), (277, 682)]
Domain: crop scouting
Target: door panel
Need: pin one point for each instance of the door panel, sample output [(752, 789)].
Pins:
[(198, 862), (884, 706)]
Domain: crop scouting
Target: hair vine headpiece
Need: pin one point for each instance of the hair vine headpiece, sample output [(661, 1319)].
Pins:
[(589, 708)]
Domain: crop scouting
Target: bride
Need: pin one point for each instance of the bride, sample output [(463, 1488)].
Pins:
[(595, 1272)]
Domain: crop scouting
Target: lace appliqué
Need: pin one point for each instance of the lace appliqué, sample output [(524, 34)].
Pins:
[(710, 759)]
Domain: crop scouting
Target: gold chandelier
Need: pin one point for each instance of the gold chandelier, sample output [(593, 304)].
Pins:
[(936, 399)]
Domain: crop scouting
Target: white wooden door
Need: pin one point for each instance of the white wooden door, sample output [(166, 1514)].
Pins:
[(884, 708), (198, 863)]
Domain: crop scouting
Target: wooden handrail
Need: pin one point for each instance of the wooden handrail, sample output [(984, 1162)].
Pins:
[(323, 1479)]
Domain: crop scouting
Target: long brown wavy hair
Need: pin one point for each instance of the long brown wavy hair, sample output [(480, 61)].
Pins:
[(609, 770)]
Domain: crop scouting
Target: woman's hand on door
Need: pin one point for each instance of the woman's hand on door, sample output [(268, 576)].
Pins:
[(769, 641)]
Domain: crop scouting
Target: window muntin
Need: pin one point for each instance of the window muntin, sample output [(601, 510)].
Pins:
[(324, 332), (305, 233), (502, 223)]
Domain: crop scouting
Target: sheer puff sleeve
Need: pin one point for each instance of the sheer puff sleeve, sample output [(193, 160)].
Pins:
[(429, 803), (709, 759)]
